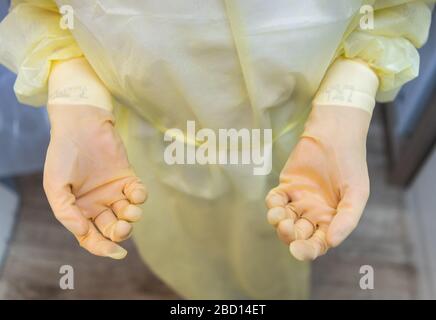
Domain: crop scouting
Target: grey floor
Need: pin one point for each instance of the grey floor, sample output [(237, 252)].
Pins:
[(9, 205), (38, 250)]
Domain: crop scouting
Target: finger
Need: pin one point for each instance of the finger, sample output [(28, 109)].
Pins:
[(307, 250), (276, 198), (303, 229), (292, 213), (126, 211), (285, 228), (319, 214), (135, 192), (285, 231), (62, 202), (298, 210), (275, 215), (96, 244), (111, 227), (348, 214), (314, 210)]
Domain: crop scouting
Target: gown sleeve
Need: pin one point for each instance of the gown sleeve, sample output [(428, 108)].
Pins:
[(390, 47), (31, 39)]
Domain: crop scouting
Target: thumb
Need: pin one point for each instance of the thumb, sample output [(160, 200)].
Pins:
[(62, 202), (348, 214)]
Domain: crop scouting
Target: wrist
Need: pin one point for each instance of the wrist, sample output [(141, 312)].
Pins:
[(338, 124), (78, 119), (74, 82), (348, 83)]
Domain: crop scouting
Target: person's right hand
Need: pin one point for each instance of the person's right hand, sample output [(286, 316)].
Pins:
[(88, 180)]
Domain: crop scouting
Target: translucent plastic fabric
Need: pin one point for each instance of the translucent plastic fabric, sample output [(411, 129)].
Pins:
[(225, 64)]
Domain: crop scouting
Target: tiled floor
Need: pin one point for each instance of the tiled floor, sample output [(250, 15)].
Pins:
[(38, 251)]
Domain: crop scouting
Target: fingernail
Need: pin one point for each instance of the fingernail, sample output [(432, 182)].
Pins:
[(133, 212), (121, 231), (276, 200), (138, 196), (275, 215), (117, 253)]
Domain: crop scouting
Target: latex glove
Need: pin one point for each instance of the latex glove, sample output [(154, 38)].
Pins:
[(88, 180), (324, 185)]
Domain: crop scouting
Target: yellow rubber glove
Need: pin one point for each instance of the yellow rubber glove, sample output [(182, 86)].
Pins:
[(324, 185), (88, 180)]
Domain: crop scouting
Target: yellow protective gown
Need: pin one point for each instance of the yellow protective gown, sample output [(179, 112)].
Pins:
[(225, 64)]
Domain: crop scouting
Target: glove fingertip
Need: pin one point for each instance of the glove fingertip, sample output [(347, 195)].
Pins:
[(138, 196), (302, 251), (117, 253), (335, 236)]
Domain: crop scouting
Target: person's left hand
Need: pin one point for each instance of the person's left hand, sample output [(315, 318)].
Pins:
[(324, 185)]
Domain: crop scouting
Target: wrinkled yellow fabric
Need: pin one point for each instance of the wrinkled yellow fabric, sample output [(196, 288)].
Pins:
[(390, 47), (30, 40), (225, 64)]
